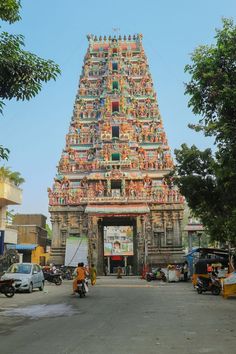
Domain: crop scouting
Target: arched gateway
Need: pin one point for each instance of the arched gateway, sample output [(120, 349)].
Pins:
[(109, 203)]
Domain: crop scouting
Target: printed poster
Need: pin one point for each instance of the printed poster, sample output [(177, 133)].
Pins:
[(76, 250), (118, 240)]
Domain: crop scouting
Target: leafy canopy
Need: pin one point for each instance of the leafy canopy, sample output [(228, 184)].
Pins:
[(207, 180), (21, 72), (14, 177)]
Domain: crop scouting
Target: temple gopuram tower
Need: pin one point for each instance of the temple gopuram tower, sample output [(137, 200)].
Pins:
[(109, 203)]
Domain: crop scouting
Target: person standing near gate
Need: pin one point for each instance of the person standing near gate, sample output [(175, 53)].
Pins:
[(93, 274), (119, 273), (185, 270), (127, 270)]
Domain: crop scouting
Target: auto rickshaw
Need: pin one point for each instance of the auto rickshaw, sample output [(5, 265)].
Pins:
[(203, 268), (200, 270)]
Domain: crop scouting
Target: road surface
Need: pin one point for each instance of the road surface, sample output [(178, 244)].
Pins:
[(125, 315)]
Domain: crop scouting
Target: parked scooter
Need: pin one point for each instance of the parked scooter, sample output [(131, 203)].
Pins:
[(159, 274), (53, 277), (208, 284), (7, 288)]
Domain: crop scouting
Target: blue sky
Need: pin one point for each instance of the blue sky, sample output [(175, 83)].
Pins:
[(35, 131)]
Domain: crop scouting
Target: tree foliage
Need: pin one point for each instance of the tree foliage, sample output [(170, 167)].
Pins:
[(21, 72), (13, 177), (49, 231), (9, 10), (207, 180)]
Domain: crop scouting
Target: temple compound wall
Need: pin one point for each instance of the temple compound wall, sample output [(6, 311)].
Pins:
[(110, 196)]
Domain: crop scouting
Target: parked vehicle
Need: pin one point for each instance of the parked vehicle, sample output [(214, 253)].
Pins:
[(26, 276), (53, 277), (7, 287), (201, 267), (158, 274), (66, 273), (211, 284)]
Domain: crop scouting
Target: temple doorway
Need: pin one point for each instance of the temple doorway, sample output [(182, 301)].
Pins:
[(119, 244)]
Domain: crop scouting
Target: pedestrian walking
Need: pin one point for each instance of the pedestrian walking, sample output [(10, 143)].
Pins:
[(93, 274), (106, 270), (127, 270), (185, 270), (119, 272)]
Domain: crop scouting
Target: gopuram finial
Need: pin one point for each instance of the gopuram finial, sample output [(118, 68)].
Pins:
[(140, 37), (90, 37)]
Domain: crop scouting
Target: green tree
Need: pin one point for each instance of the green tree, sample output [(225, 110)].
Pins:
[(21, 72), (206, 179), (13, 177), (49, 231)]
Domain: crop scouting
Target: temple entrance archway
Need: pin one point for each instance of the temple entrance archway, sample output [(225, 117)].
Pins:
[(118, 244)]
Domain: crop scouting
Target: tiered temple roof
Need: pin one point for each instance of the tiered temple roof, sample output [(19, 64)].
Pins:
[(116, 132)]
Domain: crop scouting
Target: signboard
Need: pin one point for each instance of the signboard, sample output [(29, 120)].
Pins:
[(76, 250), (1, 241), (118, 240)]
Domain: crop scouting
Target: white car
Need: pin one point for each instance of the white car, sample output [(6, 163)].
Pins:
[(27, 276)]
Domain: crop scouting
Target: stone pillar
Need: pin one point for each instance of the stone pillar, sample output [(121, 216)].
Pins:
[(57, 254), (177, 232), (137, 245), (100, 247), (177, 227), (92, 243), (95, 244), (142, 243), (164, 240), (56, 241)]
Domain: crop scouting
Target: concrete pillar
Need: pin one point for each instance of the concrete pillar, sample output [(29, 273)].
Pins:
[(3, 217)]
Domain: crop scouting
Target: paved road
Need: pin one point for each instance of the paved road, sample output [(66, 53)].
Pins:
[(118, 316)]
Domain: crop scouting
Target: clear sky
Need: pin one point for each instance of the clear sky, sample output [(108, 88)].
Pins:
[(35, 131)]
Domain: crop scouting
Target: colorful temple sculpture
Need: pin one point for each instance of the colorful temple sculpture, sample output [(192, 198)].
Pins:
[(110, 204)]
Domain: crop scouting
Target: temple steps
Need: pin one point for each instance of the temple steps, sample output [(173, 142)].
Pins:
[(57, 251), (164, 250)]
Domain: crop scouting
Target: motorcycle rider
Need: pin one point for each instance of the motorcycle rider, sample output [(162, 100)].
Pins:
[(80, 276)]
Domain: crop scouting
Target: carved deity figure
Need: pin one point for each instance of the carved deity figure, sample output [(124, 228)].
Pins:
[(108, 105), (147, 182), (132, 189), (100, 189), (84, 182)]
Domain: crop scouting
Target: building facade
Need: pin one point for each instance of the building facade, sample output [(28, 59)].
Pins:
[(110, 192), (32, 237), (10, 194)]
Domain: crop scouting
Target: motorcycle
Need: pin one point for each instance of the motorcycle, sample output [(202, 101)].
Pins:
[(157, 275), (66, 273), (53, 277), (81, 288), (7, 287), (208, 284)]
